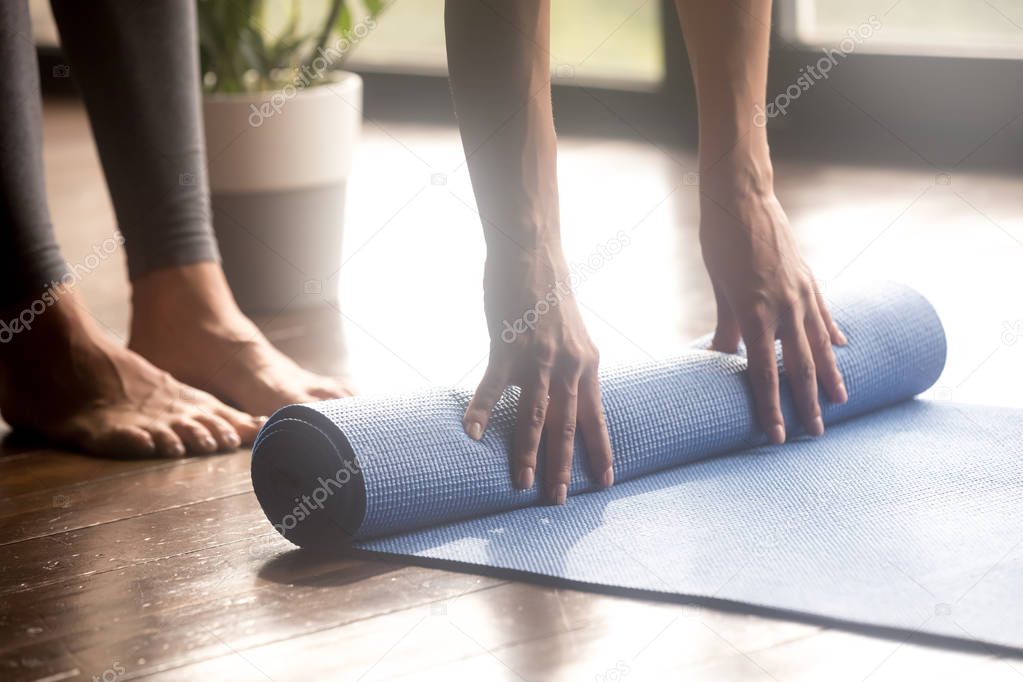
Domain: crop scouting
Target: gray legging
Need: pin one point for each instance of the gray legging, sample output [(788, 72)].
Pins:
[(136, 64)]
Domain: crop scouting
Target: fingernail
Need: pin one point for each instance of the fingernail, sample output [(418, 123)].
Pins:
[(260, 420), (777, 434), (843, 394), (525, 478), (559, 493), (178, 450), (208, 443), (608, 479), (842, 341), (475, 430), (817, 427), (233, 440)]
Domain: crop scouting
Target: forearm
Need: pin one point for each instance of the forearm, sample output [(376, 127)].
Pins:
[(728, 49), (500, 81)]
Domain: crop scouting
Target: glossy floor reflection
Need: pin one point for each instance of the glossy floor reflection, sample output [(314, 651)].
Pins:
[(168, 568)]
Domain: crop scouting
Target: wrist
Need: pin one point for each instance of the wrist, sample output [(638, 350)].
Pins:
[(543, 260), (517, 281), (514, 238), (743, 170)]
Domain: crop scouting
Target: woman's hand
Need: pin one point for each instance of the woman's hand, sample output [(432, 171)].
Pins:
[(499, 62), (538, 342), (764, 291)]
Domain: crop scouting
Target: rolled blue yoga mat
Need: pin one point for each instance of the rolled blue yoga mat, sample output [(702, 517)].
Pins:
[(904, 515)]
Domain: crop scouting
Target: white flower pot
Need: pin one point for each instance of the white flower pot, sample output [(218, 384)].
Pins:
[(278, 168)]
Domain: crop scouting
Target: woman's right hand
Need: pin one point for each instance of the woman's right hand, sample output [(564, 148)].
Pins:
[(538, 341)]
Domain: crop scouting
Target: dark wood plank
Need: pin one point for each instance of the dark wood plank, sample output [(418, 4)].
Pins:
[(56, 559), (153, 585), (121, 494), (42, 471)]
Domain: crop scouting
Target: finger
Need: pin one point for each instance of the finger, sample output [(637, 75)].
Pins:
[(802, 376), (195, 436), (763, 373), (727, 332), (559, 436), (824, 357), (490, 390), (837, 337), (593, 428), (529, 420)]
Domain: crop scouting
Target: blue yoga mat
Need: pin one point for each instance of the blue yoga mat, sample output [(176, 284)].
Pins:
[(904, 516)]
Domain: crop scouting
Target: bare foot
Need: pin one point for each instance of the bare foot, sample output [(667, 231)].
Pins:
[(63, 379), (185, 321)]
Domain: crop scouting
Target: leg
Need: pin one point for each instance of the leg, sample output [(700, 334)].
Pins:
[(60, 376), (137, 66), (29, 257)]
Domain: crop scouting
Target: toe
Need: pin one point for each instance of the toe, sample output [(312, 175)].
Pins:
[(224, 423), (246, 425), (232, 428), (344, 387), (167, 442), (227, 435), (120, 441), (330, 389), (195, 436), (295, 396), (105, 435)]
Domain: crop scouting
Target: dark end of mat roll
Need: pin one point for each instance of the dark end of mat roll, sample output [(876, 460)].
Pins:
[(307, 480)]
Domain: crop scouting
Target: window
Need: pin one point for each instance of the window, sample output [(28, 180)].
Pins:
[(597, 41), (961, 28)]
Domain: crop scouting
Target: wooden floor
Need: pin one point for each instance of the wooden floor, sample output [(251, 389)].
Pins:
[(120, 570)]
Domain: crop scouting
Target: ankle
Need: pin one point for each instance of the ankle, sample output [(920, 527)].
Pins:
[(196, 293), (57, 314), (57, 342)]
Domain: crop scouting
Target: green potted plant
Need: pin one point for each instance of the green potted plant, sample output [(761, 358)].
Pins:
[(282, 120)]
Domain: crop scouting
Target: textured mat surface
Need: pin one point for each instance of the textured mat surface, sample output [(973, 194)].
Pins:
[(905, 515)]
